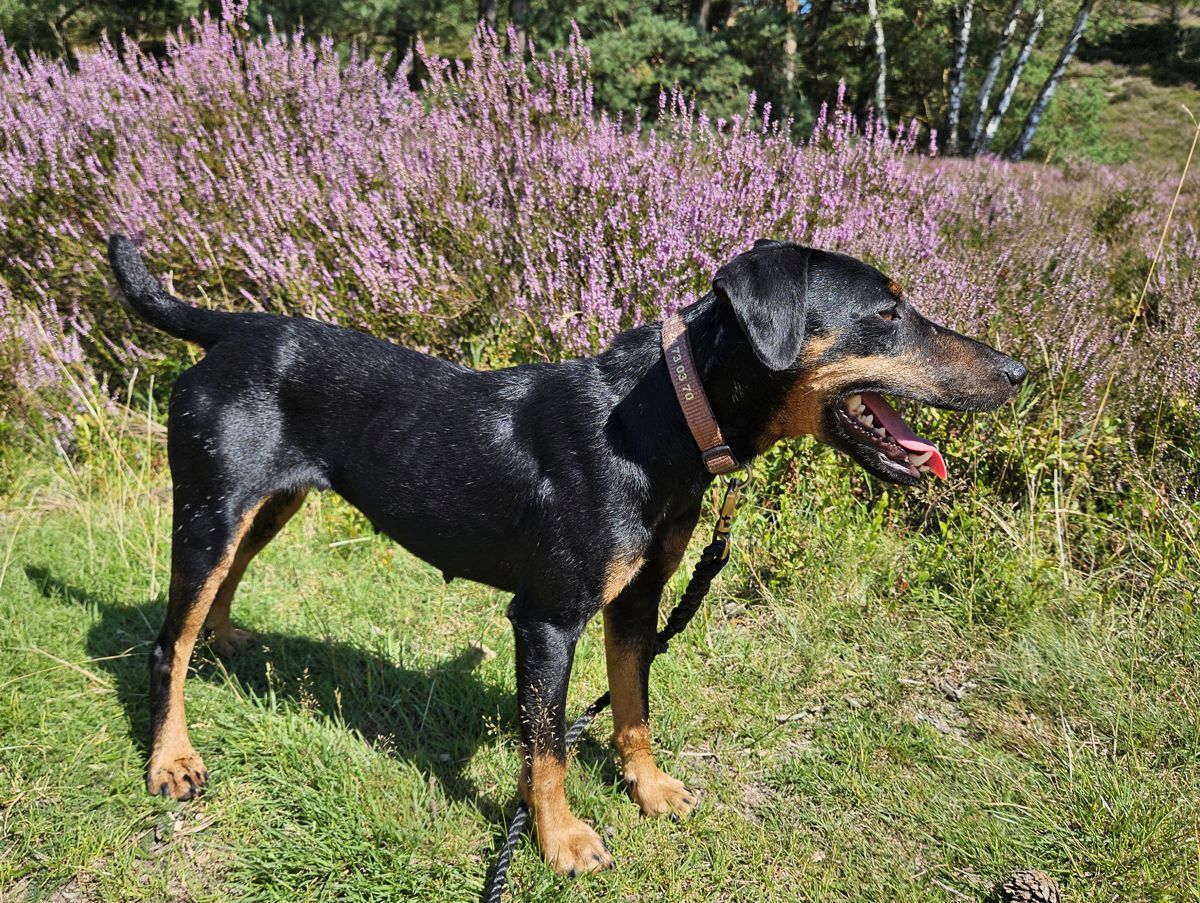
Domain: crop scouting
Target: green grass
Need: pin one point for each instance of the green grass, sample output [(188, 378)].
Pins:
[(1150, 119), (361, 752)]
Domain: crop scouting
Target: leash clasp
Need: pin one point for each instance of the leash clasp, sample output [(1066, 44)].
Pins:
[(728, 508)]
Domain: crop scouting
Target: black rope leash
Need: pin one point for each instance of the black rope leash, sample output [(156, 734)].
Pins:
[(714, 557)]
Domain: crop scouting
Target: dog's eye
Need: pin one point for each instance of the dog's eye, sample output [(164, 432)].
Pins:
[(891, 313)]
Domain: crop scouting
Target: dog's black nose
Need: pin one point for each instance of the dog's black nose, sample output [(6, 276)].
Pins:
[(1015, 372)]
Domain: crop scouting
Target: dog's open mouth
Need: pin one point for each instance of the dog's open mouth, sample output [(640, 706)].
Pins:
[(870, 424)]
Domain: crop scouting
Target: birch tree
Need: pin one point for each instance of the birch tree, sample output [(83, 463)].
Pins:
[(989, 77), (1014, 78), (881, 58), (958, 74), (1021, 147), (792, 8)]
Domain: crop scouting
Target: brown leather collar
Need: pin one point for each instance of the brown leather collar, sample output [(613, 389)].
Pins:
[(685, 379)]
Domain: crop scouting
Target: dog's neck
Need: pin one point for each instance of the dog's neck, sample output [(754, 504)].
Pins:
[(743, 393)]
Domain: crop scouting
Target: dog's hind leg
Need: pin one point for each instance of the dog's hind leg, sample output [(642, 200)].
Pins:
[(205, 544), (268, 521)]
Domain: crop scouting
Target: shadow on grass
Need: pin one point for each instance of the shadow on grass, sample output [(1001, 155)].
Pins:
[(434, 717)]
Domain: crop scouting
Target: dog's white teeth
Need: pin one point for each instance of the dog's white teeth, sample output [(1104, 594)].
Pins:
[(853, 403), (867, 419), (924, 468), (860, 409), (918, 460), (880, 432)]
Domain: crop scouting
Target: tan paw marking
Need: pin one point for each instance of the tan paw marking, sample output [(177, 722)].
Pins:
[(573, 848), (660, 794), (228, 643), (180, 777)]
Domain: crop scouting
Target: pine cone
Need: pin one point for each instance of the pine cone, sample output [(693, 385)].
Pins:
[(1027, 886)]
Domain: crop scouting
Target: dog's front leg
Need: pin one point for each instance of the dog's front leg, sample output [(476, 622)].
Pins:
[(630, 623), (545, 652)]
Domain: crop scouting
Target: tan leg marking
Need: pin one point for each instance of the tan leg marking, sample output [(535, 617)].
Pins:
[(620, 574), (174, 764), (674, 546), (568, 844), (224, 638), (656, 792)]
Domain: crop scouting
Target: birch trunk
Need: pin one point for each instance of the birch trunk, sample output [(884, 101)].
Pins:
[(989, 77), (881, 57), (1056, 75), (958, 75), (1014, 78), (792, 7)]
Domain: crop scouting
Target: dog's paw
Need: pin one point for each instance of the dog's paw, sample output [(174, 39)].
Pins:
[(229, 642), (660, 794), (573, 848), (181, 776)]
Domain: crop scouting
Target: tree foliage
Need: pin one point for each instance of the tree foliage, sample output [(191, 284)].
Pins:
[(792, 55)]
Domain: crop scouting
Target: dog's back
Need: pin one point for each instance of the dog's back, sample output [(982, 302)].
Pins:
[(450, 462)]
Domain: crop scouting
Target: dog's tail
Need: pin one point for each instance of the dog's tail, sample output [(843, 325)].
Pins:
[(150, 301)]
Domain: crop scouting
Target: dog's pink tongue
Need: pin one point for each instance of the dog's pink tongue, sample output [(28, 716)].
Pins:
[(892, 422)]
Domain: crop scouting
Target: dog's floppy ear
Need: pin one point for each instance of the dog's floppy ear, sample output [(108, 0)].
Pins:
[(766, 288)]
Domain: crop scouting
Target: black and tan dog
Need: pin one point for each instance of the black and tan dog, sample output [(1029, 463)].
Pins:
[(574, 486)]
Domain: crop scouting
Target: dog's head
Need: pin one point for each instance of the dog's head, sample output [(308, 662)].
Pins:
[(841, 335)]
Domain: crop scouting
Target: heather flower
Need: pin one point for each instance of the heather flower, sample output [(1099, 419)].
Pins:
[(499, 205)]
